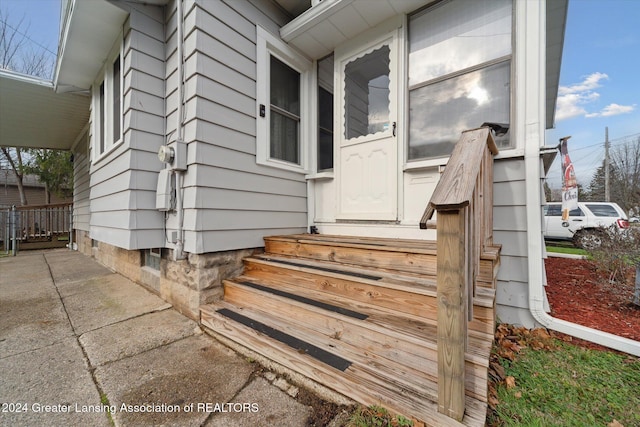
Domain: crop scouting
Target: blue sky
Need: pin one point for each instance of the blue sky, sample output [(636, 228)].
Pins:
[(599, 83), (599, 76), (41, 21)]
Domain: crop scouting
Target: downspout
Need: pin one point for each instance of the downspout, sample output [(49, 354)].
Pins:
[(535, 266), (179, 244), (533, 134)]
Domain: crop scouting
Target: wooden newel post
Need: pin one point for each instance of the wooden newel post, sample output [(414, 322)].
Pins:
[(452, 312)]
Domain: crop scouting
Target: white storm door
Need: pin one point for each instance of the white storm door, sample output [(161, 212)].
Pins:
[(367, 151)]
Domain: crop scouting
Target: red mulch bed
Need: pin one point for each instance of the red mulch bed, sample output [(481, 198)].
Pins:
[(577, 292)]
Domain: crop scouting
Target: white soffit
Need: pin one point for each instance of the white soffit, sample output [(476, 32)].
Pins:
[(89, 32), (321, 28), (32, 115), (556, 23)]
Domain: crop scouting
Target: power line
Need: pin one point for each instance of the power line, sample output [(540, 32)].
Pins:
[(28, 37)]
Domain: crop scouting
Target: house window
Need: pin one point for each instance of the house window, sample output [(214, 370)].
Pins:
[(459, 73), (116, 100), (108, 105), (283, 113), (284, 110), (325, 114), (101, 124), (152, 258)]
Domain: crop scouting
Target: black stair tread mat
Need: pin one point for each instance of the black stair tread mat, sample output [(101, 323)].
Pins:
[(327, 269), (305, 300), (293, 342)]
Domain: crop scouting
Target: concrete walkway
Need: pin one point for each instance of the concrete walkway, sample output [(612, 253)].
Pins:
[(81, 345)]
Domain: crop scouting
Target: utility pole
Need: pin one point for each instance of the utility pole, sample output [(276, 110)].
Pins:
[(606, 165)]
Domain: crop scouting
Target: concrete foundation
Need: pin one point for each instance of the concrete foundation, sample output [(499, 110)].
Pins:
[(186, 284)]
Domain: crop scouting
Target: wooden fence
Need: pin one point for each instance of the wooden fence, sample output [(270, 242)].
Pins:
[(21, 225)]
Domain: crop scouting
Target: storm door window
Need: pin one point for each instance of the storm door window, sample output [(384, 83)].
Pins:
[(459, 73), (285, 112), (366, 81)]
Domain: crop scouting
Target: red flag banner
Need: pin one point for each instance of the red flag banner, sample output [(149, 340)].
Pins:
[(569, 182)]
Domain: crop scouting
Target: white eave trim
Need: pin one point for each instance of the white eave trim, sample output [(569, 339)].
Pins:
[(88, 33), (323, 27), (311, 17)]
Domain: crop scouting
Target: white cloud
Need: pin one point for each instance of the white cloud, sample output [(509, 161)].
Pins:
[(572, 100), (592, 81), (571, 105), (613, 110)]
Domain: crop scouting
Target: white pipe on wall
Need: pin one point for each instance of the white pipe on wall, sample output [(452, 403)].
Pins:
[(178, 252), (533, 43)]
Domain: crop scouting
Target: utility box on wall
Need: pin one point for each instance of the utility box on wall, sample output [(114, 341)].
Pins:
[(175, 155), (164, 190)]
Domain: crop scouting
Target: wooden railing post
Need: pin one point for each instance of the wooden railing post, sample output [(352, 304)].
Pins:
[(463, 200), (452, 312)]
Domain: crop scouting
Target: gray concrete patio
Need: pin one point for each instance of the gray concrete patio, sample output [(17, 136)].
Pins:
[(81, 345)]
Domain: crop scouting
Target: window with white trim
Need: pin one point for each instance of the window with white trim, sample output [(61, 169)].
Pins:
[(107, 105), (283, 110), (459, 73)]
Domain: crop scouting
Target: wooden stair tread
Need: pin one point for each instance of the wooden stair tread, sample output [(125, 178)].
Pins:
[(360, 381), (374, 243), (408, 282), (417, 333), (358, 314), (412, 300), (372, 252)]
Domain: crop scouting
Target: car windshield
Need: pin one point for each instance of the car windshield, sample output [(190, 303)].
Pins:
[(603, 210)]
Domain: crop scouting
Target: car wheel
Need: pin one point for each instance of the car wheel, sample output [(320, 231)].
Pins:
[(588, 239)]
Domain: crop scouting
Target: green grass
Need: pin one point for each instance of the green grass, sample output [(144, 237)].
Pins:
[(570, 386), (566, 250), (377, 416)]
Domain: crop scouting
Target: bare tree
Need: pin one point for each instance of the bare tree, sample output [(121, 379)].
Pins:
[(16, 54), (13, 156), (625, 160)]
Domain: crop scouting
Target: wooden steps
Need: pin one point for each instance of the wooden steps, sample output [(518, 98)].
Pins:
[(357, 315)]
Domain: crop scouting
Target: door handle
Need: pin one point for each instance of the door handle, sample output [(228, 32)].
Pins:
[(393, 128)]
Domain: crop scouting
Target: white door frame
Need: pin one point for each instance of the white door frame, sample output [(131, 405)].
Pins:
[(386, 144)]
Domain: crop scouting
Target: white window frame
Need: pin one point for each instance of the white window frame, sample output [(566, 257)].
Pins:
[(105, 110), (269, 45), (513, 148)]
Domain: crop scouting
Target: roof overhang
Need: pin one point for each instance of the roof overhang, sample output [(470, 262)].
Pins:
[(321, 28), (35, 116), (556, 24), (89, 31), (318, 31)]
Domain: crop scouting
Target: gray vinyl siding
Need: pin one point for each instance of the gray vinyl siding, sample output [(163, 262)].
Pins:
[(123, 182), (230, 201), (81, 188), (510, 231)]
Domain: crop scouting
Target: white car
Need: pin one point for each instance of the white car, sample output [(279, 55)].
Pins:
[(584, 226)]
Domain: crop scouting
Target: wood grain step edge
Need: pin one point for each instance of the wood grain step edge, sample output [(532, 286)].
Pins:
[(306, 366), (476, 354), (484, 297), (395, 245), (386, 369)]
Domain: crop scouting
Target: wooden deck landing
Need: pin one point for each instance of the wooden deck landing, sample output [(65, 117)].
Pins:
[(357, 315)]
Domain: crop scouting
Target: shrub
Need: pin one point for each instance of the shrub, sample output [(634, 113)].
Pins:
[(618, 255)]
